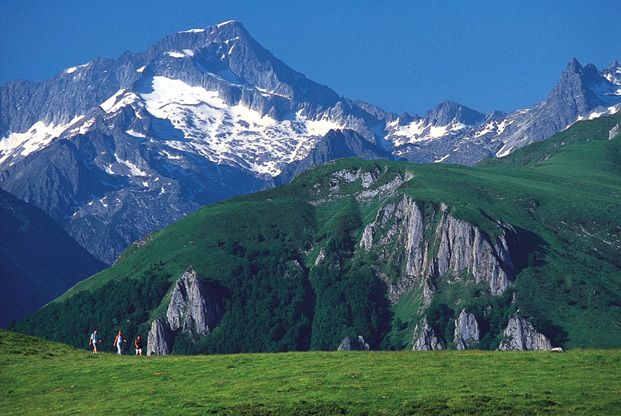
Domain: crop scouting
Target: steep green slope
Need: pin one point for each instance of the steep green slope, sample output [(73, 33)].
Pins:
[(42, 378), (38, 260), (327, 256)]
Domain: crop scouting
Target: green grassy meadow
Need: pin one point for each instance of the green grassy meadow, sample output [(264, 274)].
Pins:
[(39, 378)]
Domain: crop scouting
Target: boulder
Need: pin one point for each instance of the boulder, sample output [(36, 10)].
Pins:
[(425, 338), (353, 344), (159, 341)]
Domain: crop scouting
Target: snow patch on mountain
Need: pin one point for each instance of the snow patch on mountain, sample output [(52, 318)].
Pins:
[(81, 126), (186, 53), (419, 130), (170, 155), (119, 100), (109, 103), (233, 134), (72, 69), (131, 132), (492, 127), (193, 31), (613, 109), (37, 137), (505, 150), (133, 169), (227, 22)]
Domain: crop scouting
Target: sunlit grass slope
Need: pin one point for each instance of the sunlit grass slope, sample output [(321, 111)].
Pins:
[(39, 377)]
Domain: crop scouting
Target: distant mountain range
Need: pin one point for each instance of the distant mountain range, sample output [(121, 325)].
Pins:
[(117, 148)]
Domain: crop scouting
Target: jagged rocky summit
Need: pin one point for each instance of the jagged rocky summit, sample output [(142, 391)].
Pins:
[(466, 334), (192, 310), (519, 335), (116, 148)]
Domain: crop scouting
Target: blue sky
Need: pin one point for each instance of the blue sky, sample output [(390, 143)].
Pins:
[(400, 55)]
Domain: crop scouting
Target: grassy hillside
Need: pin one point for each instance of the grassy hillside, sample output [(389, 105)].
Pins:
[(562, 197), (38, 377)]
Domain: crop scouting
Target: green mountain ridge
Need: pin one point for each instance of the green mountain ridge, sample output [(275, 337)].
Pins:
[(379, 248)]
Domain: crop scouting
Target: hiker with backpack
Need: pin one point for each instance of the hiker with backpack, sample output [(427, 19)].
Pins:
[(94, 340)]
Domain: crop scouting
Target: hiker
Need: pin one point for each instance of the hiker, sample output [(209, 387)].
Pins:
[(94, 340), (138, 345), (118, 342)]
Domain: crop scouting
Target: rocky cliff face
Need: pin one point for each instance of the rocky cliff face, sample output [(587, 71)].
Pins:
[(425, 338), (192, 310), (464, 248), (435, 245), (466, 331), (520, 335)]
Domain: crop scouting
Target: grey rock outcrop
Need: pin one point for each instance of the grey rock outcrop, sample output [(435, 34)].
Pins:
[(520, 335), (353, 344), (160, 338), (191, 308), (435, 245), (466, 331), (425, 338), (320, 257), (369, 180), (614, 131), (342, 177), (463, 248)]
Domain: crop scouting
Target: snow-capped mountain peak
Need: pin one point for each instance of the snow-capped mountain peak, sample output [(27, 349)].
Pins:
[(447, 119), (116, 148)]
